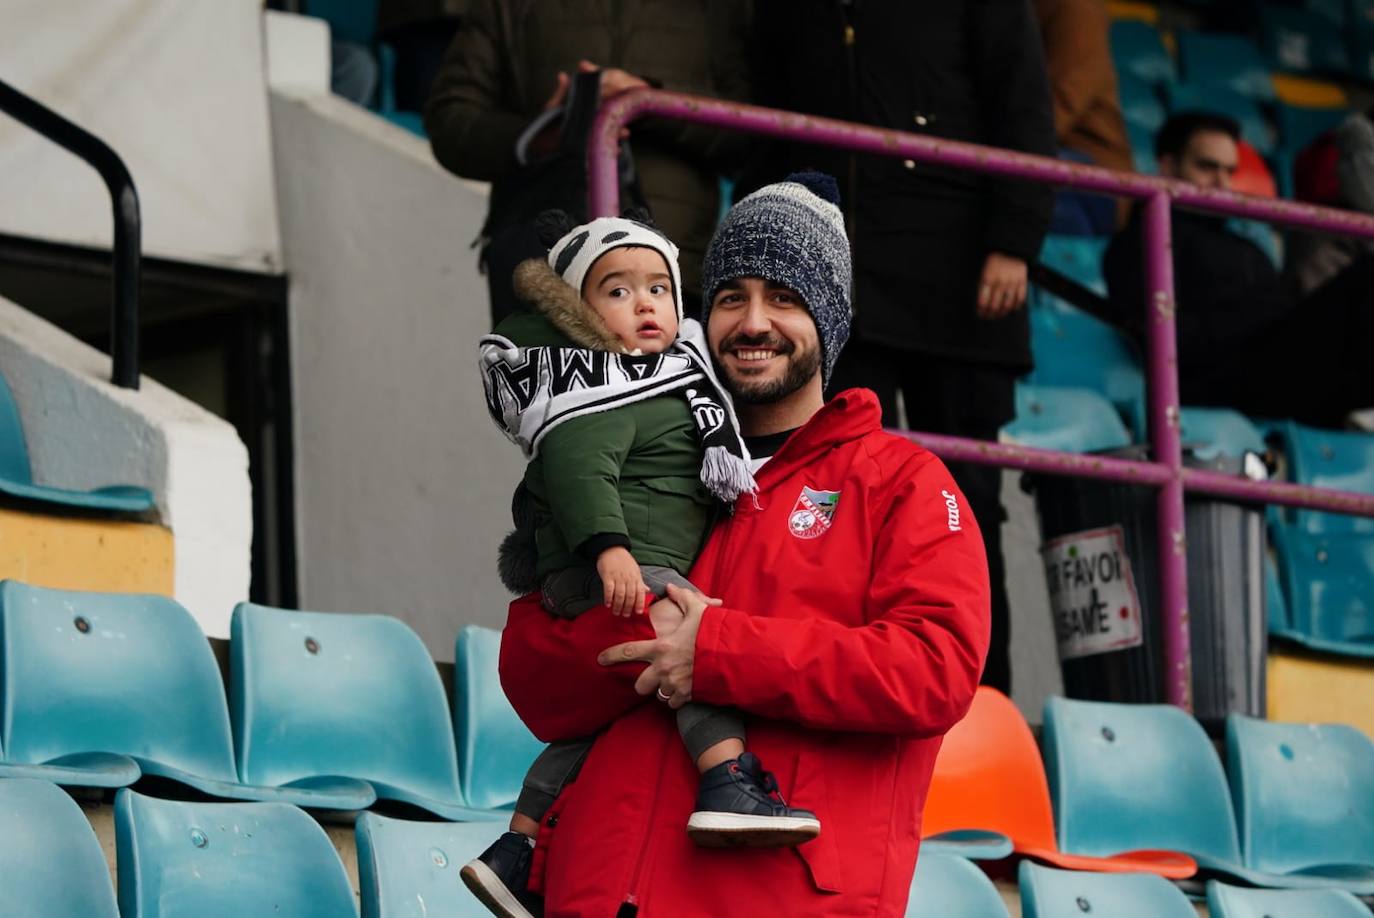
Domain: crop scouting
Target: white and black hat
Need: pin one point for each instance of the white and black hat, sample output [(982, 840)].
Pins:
[(573, 255)]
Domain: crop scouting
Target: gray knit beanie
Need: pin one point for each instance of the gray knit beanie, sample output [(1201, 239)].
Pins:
[(790, 233)]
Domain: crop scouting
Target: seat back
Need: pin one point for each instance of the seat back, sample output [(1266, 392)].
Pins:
[(1050, 893), (1129, 777), (14, 454), (1302, 41), (1072, 420), (1330, 459), (109, 673), (1140, 103), (1303, 794), (410, 869), (1225, 901), (1077, 257), (318, 694), (224, 860), (946, 884), (1219, 431), (1232, 62), (1276, 606), (1299, 125), (50, 860), (989, 776), (1075, 350), (1138, 50), (1328, 578), (495, 748)]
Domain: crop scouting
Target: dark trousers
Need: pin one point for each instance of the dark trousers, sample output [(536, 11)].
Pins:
[(961, 399)]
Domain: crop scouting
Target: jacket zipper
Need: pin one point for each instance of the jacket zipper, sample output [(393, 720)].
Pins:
[(631, 898)]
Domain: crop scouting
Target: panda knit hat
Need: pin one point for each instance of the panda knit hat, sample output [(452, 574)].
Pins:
[(790, 233), (572, 256)]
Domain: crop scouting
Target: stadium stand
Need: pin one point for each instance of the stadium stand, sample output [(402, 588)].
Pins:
[(1049, 893), (50, 859), (408, 869), (495, 748)]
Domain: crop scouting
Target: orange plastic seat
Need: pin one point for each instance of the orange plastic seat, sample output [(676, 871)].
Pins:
[(1252, 175), (989, 778)]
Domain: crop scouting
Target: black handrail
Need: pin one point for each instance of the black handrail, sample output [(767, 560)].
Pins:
[(127, 222)]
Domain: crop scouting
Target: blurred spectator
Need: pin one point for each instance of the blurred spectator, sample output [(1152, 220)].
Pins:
[(1337, 169), (1087, 111), (1245, 341), (418, 31), (511, 60), (939, 254)]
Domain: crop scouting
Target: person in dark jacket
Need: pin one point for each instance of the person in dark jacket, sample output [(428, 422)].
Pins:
[(1245, 339), (940, 255)]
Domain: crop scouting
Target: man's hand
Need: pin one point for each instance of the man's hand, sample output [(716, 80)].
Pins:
[(614, 81), (1002, 286), (670, 656), (560, 92), (621, 581)]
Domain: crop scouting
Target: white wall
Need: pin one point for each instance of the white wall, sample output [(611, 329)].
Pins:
[(83, 432), (402, 482)]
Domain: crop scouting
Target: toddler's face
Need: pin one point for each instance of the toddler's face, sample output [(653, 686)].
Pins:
[(632, 291)]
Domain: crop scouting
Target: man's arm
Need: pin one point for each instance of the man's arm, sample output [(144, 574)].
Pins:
[(1077, 57)]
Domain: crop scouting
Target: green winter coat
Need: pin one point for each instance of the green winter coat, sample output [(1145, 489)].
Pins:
[(633, 471)]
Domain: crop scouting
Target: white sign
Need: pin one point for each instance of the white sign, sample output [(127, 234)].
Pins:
[(1092, 593)]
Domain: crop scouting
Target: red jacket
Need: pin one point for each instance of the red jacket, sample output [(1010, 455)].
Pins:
[(852, 635)]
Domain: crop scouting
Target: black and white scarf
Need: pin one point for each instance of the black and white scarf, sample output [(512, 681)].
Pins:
[(531, 390)]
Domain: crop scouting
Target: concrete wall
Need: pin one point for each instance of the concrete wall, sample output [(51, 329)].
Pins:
[(83, 432), (403, 484)]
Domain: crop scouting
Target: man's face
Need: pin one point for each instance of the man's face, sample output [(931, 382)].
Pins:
[(763, 339), (1208, 161)]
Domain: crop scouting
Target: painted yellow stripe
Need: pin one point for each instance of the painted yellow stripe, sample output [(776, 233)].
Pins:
[(1306, 688), (74, 553)]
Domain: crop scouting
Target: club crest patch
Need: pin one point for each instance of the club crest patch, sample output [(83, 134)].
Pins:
[(813, 514)]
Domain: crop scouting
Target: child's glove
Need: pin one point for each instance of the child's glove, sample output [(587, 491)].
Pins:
[(620, 578)]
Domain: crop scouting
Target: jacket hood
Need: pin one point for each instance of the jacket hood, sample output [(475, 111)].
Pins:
[(851, 414), (563, 306)]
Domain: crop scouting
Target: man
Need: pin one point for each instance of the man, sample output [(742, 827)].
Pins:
[(852, 634), (1245, 340)]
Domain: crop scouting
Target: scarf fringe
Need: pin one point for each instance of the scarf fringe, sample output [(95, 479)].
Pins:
[(726, 475)]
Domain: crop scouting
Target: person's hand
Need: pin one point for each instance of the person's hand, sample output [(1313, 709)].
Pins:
[(621, 580), (665, 615), (560, 92), (670, 656), (614, 81), (1001, 286)]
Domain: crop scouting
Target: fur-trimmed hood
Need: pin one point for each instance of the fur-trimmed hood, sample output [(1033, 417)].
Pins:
[(563, 306)]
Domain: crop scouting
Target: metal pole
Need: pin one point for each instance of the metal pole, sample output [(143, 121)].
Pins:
[(1168, 451)]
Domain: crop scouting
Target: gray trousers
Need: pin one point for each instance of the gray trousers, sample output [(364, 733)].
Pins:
[(567, 594)]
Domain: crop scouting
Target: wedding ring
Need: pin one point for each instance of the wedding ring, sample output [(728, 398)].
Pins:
[(664, 696)]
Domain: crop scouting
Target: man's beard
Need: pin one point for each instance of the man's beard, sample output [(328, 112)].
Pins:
[(801, 368)]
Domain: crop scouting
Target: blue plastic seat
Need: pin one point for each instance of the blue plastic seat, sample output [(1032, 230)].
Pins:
[(326, 696), (1217, 98), (1236, 902), (1075, 350), (410, 869), (1304, 799), (495, 748), (1302, 41), (103, 686), (1137, 50), (1329, 584), (1077, 257), (1140, 103), (1330, 459), (1232, 62), (1142, 140), (948, 885), (225, 860), (16, 477), (1210, 432), (1299, 126), (1050, 893), (50, 860), (1071, 420)]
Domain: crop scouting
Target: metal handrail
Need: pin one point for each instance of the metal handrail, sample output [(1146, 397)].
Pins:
[(1166, 472), (127, 221)]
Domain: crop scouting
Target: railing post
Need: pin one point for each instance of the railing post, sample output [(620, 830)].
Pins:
[(1168, 450)]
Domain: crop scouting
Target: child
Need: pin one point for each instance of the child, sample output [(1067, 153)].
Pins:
[(608, 391)]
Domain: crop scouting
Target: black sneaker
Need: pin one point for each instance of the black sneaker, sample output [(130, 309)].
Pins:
[(738, 804), (500, 877)]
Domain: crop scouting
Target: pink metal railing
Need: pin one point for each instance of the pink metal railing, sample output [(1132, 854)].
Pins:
[(1166, 472)]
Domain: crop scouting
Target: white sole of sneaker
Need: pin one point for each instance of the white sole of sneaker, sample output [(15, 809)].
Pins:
[(488, 888), (736, 830)]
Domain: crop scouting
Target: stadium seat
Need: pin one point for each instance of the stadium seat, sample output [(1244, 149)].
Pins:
[(1075, 350), (322, 696), (225, 860), (1210, 432), (1333, 11), (1276, 606), (1302, 41), (16, 477), (1078, 258), (1140, 102), (410, 869), (1047, 893), (1300, 126), (947, 885), (1142, 142), (93, 682), (1254, 129), (1070, 420), (1138, 51), (50, 860), (1235, 902), (1305, 92), (1329, 584), (1253, 177), (1231, 62), (1304, 799), (495, 748), (989, 778), (1330, 459)]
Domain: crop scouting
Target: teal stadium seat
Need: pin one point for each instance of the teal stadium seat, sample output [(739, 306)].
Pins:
[(1211, 432), (108, 685), (1333, 11), (1304, 799), (947, 885), (1299, 126), (1140, 103), (1137, 50), (1302, 41), (16, 477), (1142, 140), (1075, 350), (1254, 129), (1231, 62), (1329, 584), (1050, 893), (225, 860), (410, 869), (1078, 258), (326, 696), (1275, 604), (495, 748), (1065, 419), (51, 863), (1330, 459), (1235, 902)]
